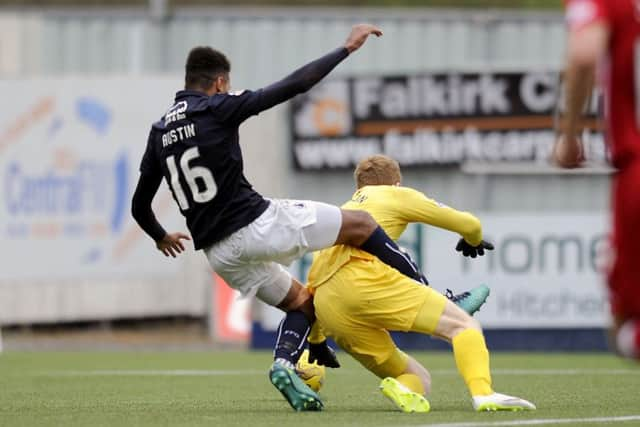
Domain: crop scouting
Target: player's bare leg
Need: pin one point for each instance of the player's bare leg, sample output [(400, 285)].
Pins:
[(298, 299), (415, 368), (360, 230)]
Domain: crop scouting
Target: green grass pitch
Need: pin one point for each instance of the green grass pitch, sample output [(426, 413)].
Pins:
[(232, 389)]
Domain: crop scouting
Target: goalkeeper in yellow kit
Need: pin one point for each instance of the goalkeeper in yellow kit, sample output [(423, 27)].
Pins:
[(358, 299)]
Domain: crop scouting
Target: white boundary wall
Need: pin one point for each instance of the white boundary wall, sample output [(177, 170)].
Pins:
[(69, 155), (547, 270)]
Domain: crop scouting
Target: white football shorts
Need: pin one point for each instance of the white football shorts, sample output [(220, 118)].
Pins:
[(251, 259)]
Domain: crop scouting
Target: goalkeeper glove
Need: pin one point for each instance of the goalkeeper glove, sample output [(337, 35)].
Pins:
[(473, 251), (323, 355)]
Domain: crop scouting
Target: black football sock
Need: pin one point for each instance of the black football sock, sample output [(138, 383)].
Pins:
[(381, 245), (292, 337)]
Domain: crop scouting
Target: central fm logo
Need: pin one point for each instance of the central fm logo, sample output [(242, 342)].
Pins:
[(66, 191)]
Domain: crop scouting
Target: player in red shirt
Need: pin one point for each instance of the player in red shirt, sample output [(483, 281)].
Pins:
[(605, 34)]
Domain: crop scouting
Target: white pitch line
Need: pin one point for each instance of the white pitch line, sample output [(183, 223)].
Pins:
[(238, 372), (543, 372), (539, 422), (158, 373)]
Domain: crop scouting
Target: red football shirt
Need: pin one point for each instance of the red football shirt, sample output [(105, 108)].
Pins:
[(619, 71)]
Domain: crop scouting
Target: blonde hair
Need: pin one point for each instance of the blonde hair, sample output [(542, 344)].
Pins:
[(377, 170)]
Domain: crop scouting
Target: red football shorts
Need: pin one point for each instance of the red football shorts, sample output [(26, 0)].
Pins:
[(624, 276)]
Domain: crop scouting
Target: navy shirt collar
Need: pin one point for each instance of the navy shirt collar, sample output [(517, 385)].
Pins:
[(181, 94)]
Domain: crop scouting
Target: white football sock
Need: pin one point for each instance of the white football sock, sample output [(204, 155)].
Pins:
[(626, 340)]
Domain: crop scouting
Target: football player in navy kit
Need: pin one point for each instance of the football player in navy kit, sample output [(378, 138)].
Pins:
[(246, 237)]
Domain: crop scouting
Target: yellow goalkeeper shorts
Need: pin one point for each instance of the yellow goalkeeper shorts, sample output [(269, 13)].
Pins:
[(366, 299)]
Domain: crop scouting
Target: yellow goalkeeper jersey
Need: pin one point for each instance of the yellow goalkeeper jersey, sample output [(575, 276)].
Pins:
[(393, 207)]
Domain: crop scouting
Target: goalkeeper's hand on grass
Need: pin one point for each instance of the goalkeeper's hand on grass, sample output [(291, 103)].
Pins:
[(324, 355), (473, 251)]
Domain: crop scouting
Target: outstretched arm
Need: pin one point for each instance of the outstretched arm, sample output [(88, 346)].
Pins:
[(586, 45), (306, 77), (416, 207), (146, 189), (251, 103)]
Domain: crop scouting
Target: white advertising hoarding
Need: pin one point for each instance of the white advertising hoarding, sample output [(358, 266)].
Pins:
[(546, 270), (69, 156), (70, 149)]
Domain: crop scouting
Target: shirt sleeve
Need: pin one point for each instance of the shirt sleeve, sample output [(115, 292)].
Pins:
[(146, 189), (416, 207), (141, 210), (150, 164), (580, 13), (237, 107)]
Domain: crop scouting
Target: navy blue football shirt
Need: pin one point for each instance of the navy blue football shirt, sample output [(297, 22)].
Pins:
[(195, 148)]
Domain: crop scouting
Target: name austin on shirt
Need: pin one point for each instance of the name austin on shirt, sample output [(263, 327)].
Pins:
[(178, 134)]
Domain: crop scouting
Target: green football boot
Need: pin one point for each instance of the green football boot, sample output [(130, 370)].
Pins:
[(470, 301), (297, 393)]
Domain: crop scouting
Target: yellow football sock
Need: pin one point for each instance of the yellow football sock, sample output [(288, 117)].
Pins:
[(472, 359), (412, 382)]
